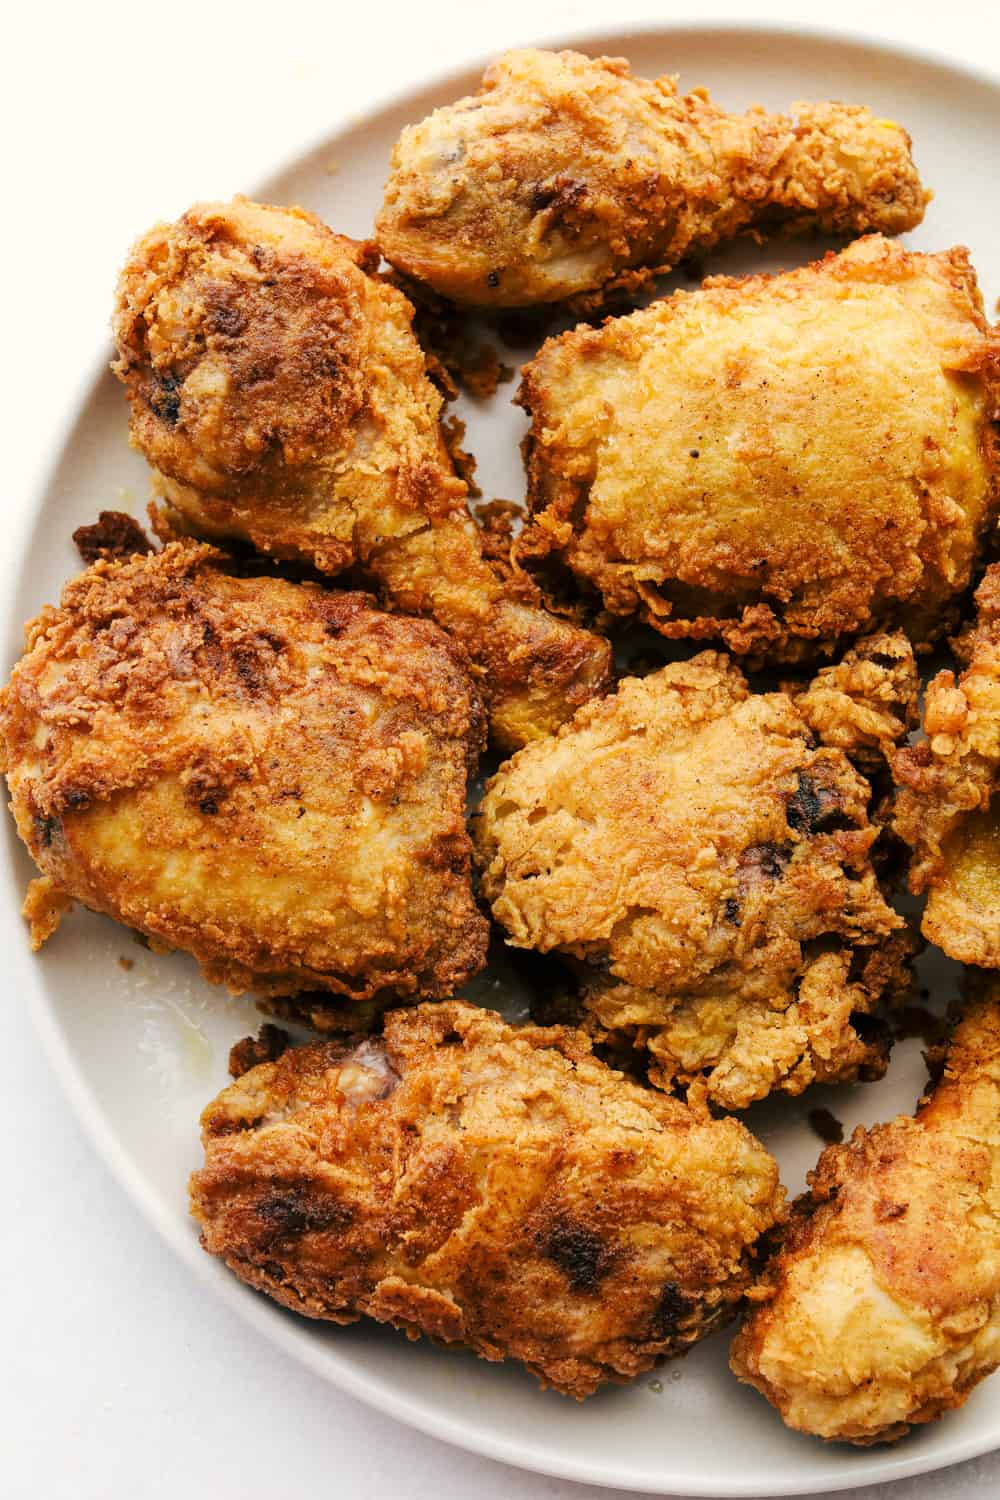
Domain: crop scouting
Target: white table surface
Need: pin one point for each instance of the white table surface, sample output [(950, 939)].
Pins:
[(121, 1376)]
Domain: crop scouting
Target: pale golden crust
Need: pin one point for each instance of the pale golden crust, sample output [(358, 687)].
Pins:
[(267, 775), (710, 868), (279, 392), (564, 176), (782, 462), (488, 1186), (882, 1307), (944, 803), (866, 703)]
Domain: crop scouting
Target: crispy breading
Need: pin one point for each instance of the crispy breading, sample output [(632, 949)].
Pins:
[(267, 775), (279, 392), (866, 703), (565, 176), (782, 462), (944, 803), (710, 869), (882, 1307), (489, 1186)]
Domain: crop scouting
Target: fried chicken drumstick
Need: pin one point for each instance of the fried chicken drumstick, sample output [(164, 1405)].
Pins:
[(280, 394), (708, 867), (491, 1187), (782, 462), (882, 1307), (944, 804), (267, 775), (565, 176)]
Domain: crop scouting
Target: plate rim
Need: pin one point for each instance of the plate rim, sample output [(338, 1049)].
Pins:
[(344, 1371)]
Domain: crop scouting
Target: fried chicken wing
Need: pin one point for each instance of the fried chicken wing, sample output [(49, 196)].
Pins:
[(709, 869), (267, 775), (944, 805), (564, 175), (279, 392), (491, 1187), (882, 1307), (782, 462)]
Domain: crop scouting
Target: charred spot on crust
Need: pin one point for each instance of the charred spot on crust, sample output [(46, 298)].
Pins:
[(46, 829), (297, 1210), (580, 1254), (165, 399), (813, 808), (731, 910), (75, 799), (113, 534), (560, 197), (234, 1127), (267, 1046), (769, 859), (671, 1309), (227, 319)]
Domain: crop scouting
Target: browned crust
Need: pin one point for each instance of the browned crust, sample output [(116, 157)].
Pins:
[(278, 390), (753, 620), (302, 757), (708, 869), (566, 179), (445, 1180), (918, 1197)]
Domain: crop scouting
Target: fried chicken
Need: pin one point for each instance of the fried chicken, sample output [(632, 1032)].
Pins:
[(565, 176), (491, 1187), (279, 392), (265, 774), (866, 703), (709, 870), (882, 1307), (782, 462), (944, 805)]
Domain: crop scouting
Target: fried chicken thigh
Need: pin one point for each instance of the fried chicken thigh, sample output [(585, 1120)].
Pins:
[(264, 774), (708, 867), (782, 462), (491, 1187), (565, 176), (882, 1307), (946, 784), (279, 392)]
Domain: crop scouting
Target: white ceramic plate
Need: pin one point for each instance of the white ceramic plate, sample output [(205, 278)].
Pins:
[(142, 1046)]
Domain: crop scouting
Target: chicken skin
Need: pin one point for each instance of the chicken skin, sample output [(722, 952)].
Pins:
[(709, 870), (882, 1307), (491, 1187), (780, 462), (280, 394), (565, 177), (944, 803), (267, 775)]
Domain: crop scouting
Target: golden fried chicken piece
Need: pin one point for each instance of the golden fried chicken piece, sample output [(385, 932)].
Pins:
[(489, 1186), (780, 461), (866, 703), (944, 806), (710, 869), (267, 775), (279, 392), (564, 175), (882, 1307)]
